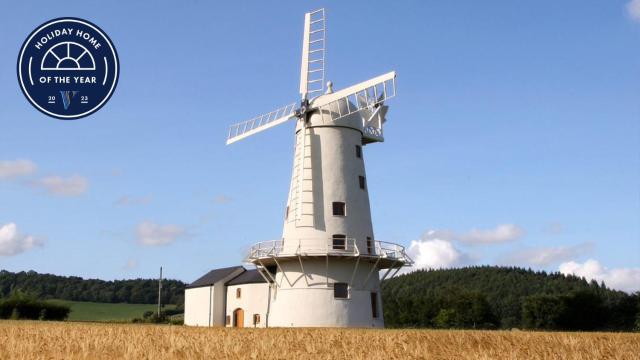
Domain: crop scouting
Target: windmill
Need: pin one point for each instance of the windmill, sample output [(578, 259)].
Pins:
[(325, 269)]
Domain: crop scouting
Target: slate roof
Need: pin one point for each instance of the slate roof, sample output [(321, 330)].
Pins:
[(247, 277), (214, 276)]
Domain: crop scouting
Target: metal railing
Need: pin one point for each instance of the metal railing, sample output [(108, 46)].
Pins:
[(326, 247)]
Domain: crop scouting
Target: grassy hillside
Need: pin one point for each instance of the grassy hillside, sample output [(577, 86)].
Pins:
[(93, 311)]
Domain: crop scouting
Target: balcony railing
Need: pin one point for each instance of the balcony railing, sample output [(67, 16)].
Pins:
[(327, 247)]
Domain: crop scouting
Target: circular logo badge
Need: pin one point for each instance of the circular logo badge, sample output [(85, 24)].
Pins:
[(68, 68)]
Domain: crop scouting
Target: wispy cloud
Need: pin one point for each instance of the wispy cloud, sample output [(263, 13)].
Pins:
[(130, 264), (12, 242), (625, 279), (544, 256), (222, 199), (10, 169), (126, 200), (500, 234), (554, 228), (73, 185), (151, 234), (633, 9)]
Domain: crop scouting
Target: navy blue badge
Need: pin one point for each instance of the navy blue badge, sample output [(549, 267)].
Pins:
[(68, 68)]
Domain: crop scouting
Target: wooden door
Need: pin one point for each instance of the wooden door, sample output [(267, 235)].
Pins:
[(238, 318)]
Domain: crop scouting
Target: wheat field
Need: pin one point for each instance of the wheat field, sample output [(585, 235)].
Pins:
[(67, 340)]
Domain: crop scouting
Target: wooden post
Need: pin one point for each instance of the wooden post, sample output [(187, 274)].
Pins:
[(159, 293)]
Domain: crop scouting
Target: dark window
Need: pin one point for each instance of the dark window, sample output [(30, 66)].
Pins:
[(374, 305), (362, 182), (341, 290), (339, 208), (238, 293), (339, 242), (358, 151), (256, 319), (228, 322), (369, 244)]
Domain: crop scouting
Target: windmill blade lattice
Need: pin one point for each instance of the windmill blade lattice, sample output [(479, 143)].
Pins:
[(365, 95), (313, 48), (260, 123)]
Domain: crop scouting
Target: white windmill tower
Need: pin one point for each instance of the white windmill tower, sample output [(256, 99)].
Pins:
[(325, 269)]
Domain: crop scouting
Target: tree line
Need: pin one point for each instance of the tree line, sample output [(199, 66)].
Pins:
[(490, 297), (485, 297), (134, 291)]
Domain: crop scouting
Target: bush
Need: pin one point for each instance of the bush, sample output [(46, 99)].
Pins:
[(23, 306)]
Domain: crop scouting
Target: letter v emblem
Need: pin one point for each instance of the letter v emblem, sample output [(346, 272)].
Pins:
[(66, 97)]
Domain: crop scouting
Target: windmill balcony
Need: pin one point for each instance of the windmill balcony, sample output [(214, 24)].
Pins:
[(385, 254)]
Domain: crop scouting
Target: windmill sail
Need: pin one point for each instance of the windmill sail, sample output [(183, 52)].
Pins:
[(366, 95), (243, 129), (313, 46)]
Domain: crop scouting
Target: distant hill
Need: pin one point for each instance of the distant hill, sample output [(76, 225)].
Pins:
[(47, 286), (505, 297)]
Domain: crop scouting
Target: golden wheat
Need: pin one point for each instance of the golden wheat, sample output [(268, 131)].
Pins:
[(44, 340)]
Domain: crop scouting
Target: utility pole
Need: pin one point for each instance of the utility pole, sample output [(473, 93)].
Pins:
[(159, 293)]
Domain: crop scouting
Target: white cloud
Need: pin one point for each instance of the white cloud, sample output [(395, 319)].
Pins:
[(152, 234), (625, 279), (435, 254), (57, 185), (12, 242), (500, 234), (14, 168), (633, 9), (547, 255), (132, 200)]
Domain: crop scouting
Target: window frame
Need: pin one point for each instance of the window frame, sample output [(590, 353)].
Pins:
[(362, 181), (339, 237), (343, 207), (359, 151), (347, 291), (369, 244), (238, 293), (256, 319), (375, 312)]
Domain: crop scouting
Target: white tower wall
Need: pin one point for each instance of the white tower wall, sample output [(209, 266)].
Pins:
[(330, 170), (308, 300)]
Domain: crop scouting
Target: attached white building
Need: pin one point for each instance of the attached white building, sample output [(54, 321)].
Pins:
[(231, 296), (204, 299)]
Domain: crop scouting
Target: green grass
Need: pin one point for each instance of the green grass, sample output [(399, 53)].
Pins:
[(92, 311)]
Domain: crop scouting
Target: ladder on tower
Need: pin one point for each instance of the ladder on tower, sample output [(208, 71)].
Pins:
[(301, 197)]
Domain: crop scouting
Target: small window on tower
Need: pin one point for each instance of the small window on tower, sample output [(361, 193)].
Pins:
[(374, 305), (228, 320), (339, 208), (256, 319), (362, 181), (339, 242), (238, 293), (341, 290), (358, 151), (286, 214), (369, 244)]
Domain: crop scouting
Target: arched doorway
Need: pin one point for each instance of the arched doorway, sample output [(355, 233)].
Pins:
[(238, 318)]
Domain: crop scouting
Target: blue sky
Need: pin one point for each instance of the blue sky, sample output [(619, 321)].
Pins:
[(514, 138)]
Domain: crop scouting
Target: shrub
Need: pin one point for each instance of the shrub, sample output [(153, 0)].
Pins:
[(24, 306)]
